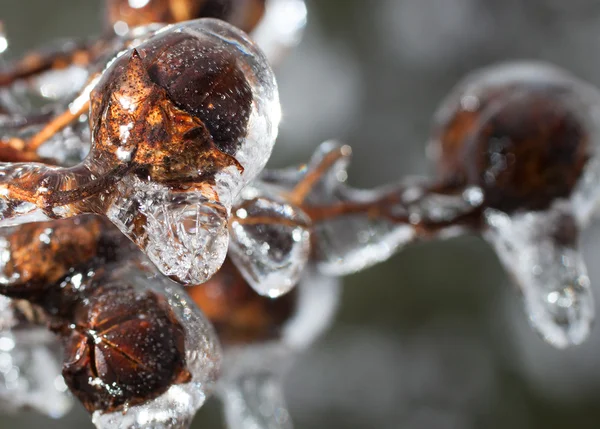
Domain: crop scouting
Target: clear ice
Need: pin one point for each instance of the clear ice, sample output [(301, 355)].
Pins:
[(376, 224), (182, 229), (185, 234), (540, 248), (175, 408), (540, 251), (270, 244)]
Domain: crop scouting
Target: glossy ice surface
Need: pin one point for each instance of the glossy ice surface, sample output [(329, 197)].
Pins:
[(179, 125)]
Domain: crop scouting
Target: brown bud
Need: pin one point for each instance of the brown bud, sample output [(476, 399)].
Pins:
[(237, 312), (174, 109), (124, 348), (39, 254), (524, 139)]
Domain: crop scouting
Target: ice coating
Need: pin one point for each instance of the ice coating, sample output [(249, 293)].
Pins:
[(526, 135), (270, 244), (523, 132), (211, 111), (176, 407), (185, 234), (540, 250), (354, 229)]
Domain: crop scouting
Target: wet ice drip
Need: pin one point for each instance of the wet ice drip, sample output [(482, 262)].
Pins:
[(540, 250), (176, 135), (354, 229), (526, 134), (30, 365), (128, 327), (270, 242)]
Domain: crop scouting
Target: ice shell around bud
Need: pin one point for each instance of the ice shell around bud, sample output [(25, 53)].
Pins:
[(185, 234), (270, 245), (526, 132), (221, 38), (540, 250), (175, 408), (30, 373)]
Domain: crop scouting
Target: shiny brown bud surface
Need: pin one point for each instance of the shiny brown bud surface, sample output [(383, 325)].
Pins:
[(525, 140), (124, 348)]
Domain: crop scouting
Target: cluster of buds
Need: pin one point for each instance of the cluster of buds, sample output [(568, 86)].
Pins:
[(139, 224)]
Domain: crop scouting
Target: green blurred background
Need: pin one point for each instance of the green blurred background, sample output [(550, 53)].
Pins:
[(434, 338)]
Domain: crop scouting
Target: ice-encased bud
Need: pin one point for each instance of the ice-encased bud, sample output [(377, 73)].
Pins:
[(213, 110), (270, 244), (523, 132), (526, 135), (180, 124), (175, 407), (540, 250), (213, 72)]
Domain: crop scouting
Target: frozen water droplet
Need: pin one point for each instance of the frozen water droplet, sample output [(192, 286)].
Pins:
[(176, 407), (270, 244), (540, 250), (184, 234)]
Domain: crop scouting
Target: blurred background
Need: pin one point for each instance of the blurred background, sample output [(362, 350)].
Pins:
[(435, 338)]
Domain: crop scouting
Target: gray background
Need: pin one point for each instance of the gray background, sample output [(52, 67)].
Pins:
[(435, 338)]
